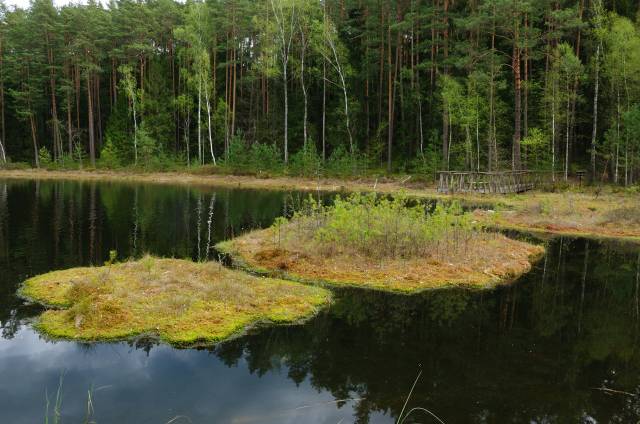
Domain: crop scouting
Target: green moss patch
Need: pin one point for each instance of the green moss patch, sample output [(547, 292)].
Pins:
[(180, 301)]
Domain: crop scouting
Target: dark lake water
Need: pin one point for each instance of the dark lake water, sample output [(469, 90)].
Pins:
[(538, 351)]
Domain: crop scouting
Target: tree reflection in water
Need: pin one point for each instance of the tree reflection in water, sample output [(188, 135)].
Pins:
[(534, 351)]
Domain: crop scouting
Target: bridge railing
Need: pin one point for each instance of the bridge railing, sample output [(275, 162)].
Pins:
[(492, 182)]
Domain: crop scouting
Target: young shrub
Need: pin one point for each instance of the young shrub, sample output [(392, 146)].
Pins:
[(109, 156), (344, 163), (148, 151), (44, 157), (238, 157), (306, 161), (264, 157), (79, 153), (380, 227)]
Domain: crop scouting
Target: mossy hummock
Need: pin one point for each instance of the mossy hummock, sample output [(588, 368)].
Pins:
[(180, 301), (489, 261)]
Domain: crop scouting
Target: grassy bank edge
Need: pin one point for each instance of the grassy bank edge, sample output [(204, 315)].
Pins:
[(545, 234), (277, 183)]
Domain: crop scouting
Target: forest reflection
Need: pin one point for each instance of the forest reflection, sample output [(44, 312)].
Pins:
[(56, 225), (540, 350)]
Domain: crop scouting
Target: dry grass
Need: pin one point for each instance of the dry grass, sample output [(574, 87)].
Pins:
[(180, 301), (581, 214), (382, 185), (487, 261)]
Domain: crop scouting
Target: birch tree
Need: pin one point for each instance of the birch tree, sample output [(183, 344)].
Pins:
[(333, 53), (129, 86), (284, 29)]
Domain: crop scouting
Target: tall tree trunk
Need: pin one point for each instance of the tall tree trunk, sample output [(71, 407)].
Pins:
[(493, 144), (3, 155), (200, 121), (526, 78), (595, 114), (234, 78), (77, 85), (69, 75), (389, 95), (187, 124), (343, 85), (206, 96), (2, 122), (568, 133), (98, 111), (446, 136), (324, 109), (381, 61), (617, 153), (227, 100), (553, 128), (69, 126), (114, 82), (576, 82), (34, 140), (517, 104), (135, 129), (304, 87), (92, 141), (286, 113), (57, 136)]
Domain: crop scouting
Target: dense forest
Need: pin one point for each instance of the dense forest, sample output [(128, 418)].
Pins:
[(303, 85)]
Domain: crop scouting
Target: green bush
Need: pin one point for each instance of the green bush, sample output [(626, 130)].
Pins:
[(109, 156), (119, 134), (265, 157), (15, 165), (366, 224), (426, 163), (343, 163), (256, 158), (44, 157), (306, 162), (238, 158), (78, 153)]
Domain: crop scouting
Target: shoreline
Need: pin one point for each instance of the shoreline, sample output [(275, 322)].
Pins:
[(529, 220), (227, 181)]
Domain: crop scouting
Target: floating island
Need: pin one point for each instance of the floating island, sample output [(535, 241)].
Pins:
[(179, 301), (383, 244)]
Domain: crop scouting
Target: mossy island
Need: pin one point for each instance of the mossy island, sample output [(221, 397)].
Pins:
[(181, 302), (386, 244)]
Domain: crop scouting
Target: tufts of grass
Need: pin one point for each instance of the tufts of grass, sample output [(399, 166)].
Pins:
[(384, 244), (182, 302), (603, 214)]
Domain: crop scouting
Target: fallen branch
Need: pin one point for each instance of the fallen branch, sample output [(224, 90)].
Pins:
[(610, 391)]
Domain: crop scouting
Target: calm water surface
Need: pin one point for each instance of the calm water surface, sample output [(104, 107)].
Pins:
[(539, 351)]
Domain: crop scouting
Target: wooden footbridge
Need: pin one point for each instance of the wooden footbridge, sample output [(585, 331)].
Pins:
[(491, 182)]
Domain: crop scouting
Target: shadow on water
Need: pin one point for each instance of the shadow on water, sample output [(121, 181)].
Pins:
[(561, 345)]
